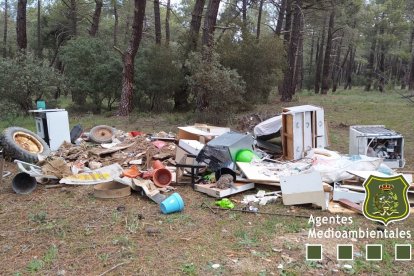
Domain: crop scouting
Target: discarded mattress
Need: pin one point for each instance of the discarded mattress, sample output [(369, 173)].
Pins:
[(268, 129)]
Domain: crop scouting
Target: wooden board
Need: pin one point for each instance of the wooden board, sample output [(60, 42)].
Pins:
[(220, 193), (253, 174)]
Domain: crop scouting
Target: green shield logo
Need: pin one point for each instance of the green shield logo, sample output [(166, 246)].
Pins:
[(386, 199)]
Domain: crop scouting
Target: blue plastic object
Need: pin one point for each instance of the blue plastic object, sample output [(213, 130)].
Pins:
[(173, 203), (41, 105)]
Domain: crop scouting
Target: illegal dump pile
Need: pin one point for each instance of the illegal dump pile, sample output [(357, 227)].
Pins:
[(285, 155)]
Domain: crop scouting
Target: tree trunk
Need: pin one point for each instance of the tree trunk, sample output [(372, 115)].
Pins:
[(298, 77), (5, 29), (328, 50), (350, 68), (337, 69), (371, 59), (116, 23), (167, 23), (288, 22), (244, 18), (126, 104), (280, 16), (210, 23), (411, 67), (195, 24), (96, 17), (157, 22), (21, 25), (411, 78), (74, 18), (289, 81), (319, 60), (311, 59), (181, 95), (39, 36), (259, 19), (208, 43), (381, 67)]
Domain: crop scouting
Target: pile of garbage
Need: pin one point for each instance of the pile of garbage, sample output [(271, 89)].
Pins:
[(287, 154)]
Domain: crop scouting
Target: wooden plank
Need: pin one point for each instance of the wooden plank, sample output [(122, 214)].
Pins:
[(350, 205), (210, 189)]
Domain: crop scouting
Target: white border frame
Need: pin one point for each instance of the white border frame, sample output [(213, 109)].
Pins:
[(366, 252), (352, 252), (307, 245), (395, 252)]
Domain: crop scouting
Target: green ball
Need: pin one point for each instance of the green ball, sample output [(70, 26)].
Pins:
[(245, 156)]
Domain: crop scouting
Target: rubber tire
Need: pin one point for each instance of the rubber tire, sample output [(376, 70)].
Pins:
[(96, 138), (13, 151)]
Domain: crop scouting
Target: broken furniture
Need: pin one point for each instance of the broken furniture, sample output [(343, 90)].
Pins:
[(377, 141), (303, 129), (52, 125), (221, 152)]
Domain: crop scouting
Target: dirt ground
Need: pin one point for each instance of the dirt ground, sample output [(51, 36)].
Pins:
[(66, 231)]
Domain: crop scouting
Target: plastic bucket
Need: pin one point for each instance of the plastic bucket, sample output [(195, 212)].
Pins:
[(23, 183), (173, 203)]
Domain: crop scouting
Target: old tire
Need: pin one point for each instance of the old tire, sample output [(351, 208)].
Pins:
[(22, 144), (101, 134)]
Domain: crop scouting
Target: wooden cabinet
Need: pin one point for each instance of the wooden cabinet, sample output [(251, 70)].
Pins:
[(303, 128)]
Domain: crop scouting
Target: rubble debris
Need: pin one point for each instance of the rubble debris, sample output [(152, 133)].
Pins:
[(262, 198), (56, 166), (225, 181)]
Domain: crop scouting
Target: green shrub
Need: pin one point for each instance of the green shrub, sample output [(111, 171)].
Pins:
[(258, 62), (93, 70), (157, 77), (25, 80), (218, 91)]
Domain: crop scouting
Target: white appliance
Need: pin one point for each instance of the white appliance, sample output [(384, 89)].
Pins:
[(53, 126), (377, 141)]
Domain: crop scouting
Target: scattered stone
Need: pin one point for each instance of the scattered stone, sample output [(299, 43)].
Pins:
[(347, 266), (277, 250), (215, 266), (152, 231), (280, 266), (61, 272)]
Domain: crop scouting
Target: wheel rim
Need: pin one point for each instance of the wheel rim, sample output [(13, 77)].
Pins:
[(27, 142), (103, 133)]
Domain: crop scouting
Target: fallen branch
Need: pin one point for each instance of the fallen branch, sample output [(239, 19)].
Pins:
[(259, 212), (112, 268)]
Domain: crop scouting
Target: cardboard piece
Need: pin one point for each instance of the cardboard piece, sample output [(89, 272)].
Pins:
[(210, 189), (200, 132), (302, 189)]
